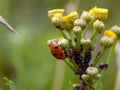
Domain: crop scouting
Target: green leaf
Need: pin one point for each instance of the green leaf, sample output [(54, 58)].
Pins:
[(9, 83)]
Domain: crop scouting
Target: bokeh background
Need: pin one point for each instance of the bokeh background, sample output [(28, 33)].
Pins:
[(27, 60)]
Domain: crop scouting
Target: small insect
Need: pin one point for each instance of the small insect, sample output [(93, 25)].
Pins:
[(59, 27), (56, 50), (103, 65)]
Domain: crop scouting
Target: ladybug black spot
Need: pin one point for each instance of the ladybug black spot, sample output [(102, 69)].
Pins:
[(61, 54), (54, 54), (56, 47)]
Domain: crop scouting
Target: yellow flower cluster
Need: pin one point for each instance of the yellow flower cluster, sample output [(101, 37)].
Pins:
[(72, 16), (96, 10), (99, 13), (57, 18), (110, 34)]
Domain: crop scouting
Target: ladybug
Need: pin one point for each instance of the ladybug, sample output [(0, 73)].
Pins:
[(56, 50)]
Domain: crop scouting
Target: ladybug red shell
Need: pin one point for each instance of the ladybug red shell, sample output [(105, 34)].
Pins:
[(56, 50)]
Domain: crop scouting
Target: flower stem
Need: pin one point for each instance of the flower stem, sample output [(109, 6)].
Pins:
[(84, 52), (64, 35), (95, 33), (84, 31), (69, 65), (99, 57), (111, 53), (78, 41), (108, 62), (97, 84)]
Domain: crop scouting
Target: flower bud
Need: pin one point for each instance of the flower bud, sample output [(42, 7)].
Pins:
[(51, 13), (116, 30), (106, 41), (77, 30), (63, 42), (72, 16), (98, 25), (85, 42), (85, 77), (86, 16), (98, 76), (80, 22), (56, 21), (110, 34), (92, 71)]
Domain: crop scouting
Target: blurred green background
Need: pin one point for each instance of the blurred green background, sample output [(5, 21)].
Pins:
[(27, 60)]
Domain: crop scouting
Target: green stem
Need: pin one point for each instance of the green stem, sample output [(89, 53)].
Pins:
[(111, 53), (64, 35), (97, 84), (69, 65), (99, 57), (78, 41), (84, 33), (71, 40), (68, 36), (84, 52), (93, 57), (95, 33), (108, 62)]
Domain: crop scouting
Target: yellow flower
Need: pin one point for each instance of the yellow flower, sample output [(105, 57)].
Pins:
[(110, 34), (64, 19), (57, 15), (99, 13), (55, 11), (67, 23), (72, 16), (96, 10)]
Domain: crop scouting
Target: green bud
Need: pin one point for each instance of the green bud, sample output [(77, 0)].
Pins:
[(98, 25), (77, 30), (98, 76), (92, 71), (80, 22), (116, 30), (56, 21), (63, 42), (68, 26), (85, 42), (86, 16), (85, 77), (106, 41)]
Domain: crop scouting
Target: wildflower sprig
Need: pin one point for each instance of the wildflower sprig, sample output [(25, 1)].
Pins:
[(77, 48)]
